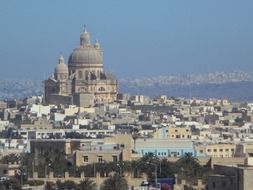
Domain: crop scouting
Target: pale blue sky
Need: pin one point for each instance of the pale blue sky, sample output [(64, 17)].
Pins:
[(139, 37)]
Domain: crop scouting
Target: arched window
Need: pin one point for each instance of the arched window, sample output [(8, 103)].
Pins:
[(63, 76), (86, 75), (101, 89), (98, 74), (82, 89), (80, 74)]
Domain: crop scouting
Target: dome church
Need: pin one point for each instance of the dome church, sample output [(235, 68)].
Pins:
[(83, 81)]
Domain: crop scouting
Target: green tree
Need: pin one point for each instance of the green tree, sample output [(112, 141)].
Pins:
[(135, 135), (58, 184), (69, 185), (87, 184), (10, 184), (66, 185), (115, 182), (49, 185), (188, 168), (144, 164), (12, 158), (168, 169)]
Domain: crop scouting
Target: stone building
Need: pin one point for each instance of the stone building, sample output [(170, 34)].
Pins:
[(173, 133), (231, 178), (83, 81)]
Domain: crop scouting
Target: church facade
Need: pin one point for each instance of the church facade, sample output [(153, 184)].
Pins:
[(83, 80)]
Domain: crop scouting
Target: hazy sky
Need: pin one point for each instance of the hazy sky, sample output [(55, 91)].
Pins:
[(139, 37)]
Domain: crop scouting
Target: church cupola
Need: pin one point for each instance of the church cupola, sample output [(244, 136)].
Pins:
[(61, 70), (85, 38)]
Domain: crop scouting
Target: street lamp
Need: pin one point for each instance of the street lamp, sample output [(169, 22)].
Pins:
[(46, 170), (118, 165)]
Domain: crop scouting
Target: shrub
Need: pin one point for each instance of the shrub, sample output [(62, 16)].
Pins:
[(34, 182)]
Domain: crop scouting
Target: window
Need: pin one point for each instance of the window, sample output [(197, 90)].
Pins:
[(201, 151), (101, 89), (115, 158), (85, 159), (215, 150), (62, 77), (86, 75), (221, 150), (100, 159), (227, 149), (232, 150), (208, 150), (82, 89), (80, 74)]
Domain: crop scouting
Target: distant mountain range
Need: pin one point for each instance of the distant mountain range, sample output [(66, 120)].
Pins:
[(235, 91), (19, 89), (236, 86), (209, 78)]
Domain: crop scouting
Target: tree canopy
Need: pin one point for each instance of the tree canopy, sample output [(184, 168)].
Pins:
[(115, 182)]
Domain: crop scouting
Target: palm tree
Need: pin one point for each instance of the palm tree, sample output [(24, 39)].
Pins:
[(10, 184), (189, 168), (135, 135), (87, 184), (10, 158), (69, 185), (115, 182), (58, 184)]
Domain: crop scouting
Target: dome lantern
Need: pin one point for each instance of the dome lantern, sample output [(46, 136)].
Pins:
[(85, 38), (61, 59), (87, 54)]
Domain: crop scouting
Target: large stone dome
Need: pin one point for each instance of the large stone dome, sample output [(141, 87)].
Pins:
[(86, 53)]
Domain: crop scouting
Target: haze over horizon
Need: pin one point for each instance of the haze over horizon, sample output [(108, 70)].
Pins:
[(139, 38)]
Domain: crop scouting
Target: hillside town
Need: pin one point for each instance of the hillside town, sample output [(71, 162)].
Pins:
[(216, 134), (83, 133)]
